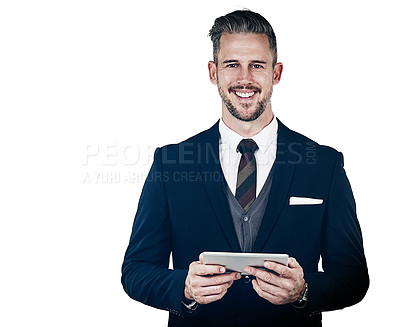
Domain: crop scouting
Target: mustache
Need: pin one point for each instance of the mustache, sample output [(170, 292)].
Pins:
[(242, 87)]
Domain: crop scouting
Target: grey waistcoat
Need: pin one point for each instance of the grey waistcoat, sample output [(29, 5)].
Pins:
[(247, 223)]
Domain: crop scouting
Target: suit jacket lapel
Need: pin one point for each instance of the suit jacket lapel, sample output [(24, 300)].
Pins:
[(213, 183), (284, 167)]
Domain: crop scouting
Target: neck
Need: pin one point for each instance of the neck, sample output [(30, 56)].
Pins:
[(247, 129)]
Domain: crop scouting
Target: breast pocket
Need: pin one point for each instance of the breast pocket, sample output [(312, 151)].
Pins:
[(305, 216)]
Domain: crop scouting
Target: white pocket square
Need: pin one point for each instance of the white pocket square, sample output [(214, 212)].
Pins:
[(295, 200)]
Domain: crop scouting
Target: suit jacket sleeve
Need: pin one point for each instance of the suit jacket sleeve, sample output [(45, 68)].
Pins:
[(145, 273), (345, 280)]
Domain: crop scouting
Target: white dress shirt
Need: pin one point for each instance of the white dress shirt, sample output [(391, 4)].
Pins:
[(265, 156)]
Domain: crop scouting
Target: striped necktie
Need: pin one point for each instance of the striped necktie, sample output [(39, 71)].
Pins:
[(247, 173)]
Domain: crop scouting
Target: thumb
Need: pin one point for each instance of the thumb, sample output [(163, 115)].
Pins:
[(292, 263), (201, 258)]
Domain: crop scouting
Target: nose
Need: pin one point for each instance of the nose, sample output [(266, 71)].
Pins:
[(244, 77)]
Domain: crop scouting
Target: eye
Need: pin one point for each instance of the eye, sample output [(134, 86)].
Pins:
[(257, 66), (232, 65)]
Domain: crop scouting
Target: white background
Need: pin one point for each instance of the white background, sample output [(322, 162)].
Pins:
[(90, 88)]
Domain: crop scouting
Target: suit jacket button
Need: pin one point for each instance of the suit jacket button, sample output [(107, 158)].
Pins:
[(247, 279)]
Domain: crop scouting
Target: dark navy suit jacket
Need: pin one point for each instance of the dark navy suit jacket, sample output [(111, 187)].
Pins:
[(183, 210)]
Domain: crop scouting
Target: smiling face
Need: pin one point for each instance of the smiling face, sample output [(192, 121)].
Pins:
[(244, 75)]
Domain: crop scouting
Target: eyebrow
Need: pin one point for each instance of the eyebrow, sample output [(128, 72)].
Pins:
[(253, 61)]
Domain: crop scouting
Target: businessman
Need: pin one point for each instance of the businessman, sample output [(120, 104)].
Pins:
[(247, 184)]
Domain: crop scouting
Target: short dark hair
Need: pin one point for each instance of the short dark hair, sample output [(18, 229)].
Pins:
[(242, 21)]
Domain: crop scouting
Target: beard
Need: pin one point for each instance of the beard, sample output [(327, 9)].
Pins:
[(260, 106)]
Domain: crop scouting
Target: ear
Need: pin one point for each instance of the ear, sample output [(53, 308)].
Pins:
[(212, 72), (277, 72)]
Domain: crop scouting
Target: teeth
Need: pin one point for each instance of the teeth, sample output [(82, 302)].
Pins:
[(244, 95)]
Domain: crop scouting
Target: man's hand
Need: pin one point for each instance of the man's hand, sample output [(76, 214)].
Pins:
[(207, 283), (282, 289)]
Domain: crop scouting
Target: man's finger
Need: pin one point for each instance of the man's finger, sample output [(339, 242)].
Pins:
[(269, 277), (200, 269), (264, 294), (280, 269), (214, 289), (209, 298), (211, 293), (259, 273), (218, 279), (270, 288), (292, 262)]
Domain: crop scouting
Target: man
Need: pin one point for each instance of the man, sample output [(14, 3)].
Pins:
[(248, 184)]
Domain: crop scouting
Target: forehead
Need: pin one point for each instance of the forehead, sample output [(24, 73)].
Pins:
[(244, 46)]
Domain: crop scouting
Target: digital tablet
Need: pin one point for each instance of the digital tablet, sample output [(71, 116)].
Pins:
[(237, 261)]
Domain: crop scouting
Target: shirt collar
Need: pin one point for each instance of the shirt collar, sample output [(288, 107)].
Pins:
[(264, 138)]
